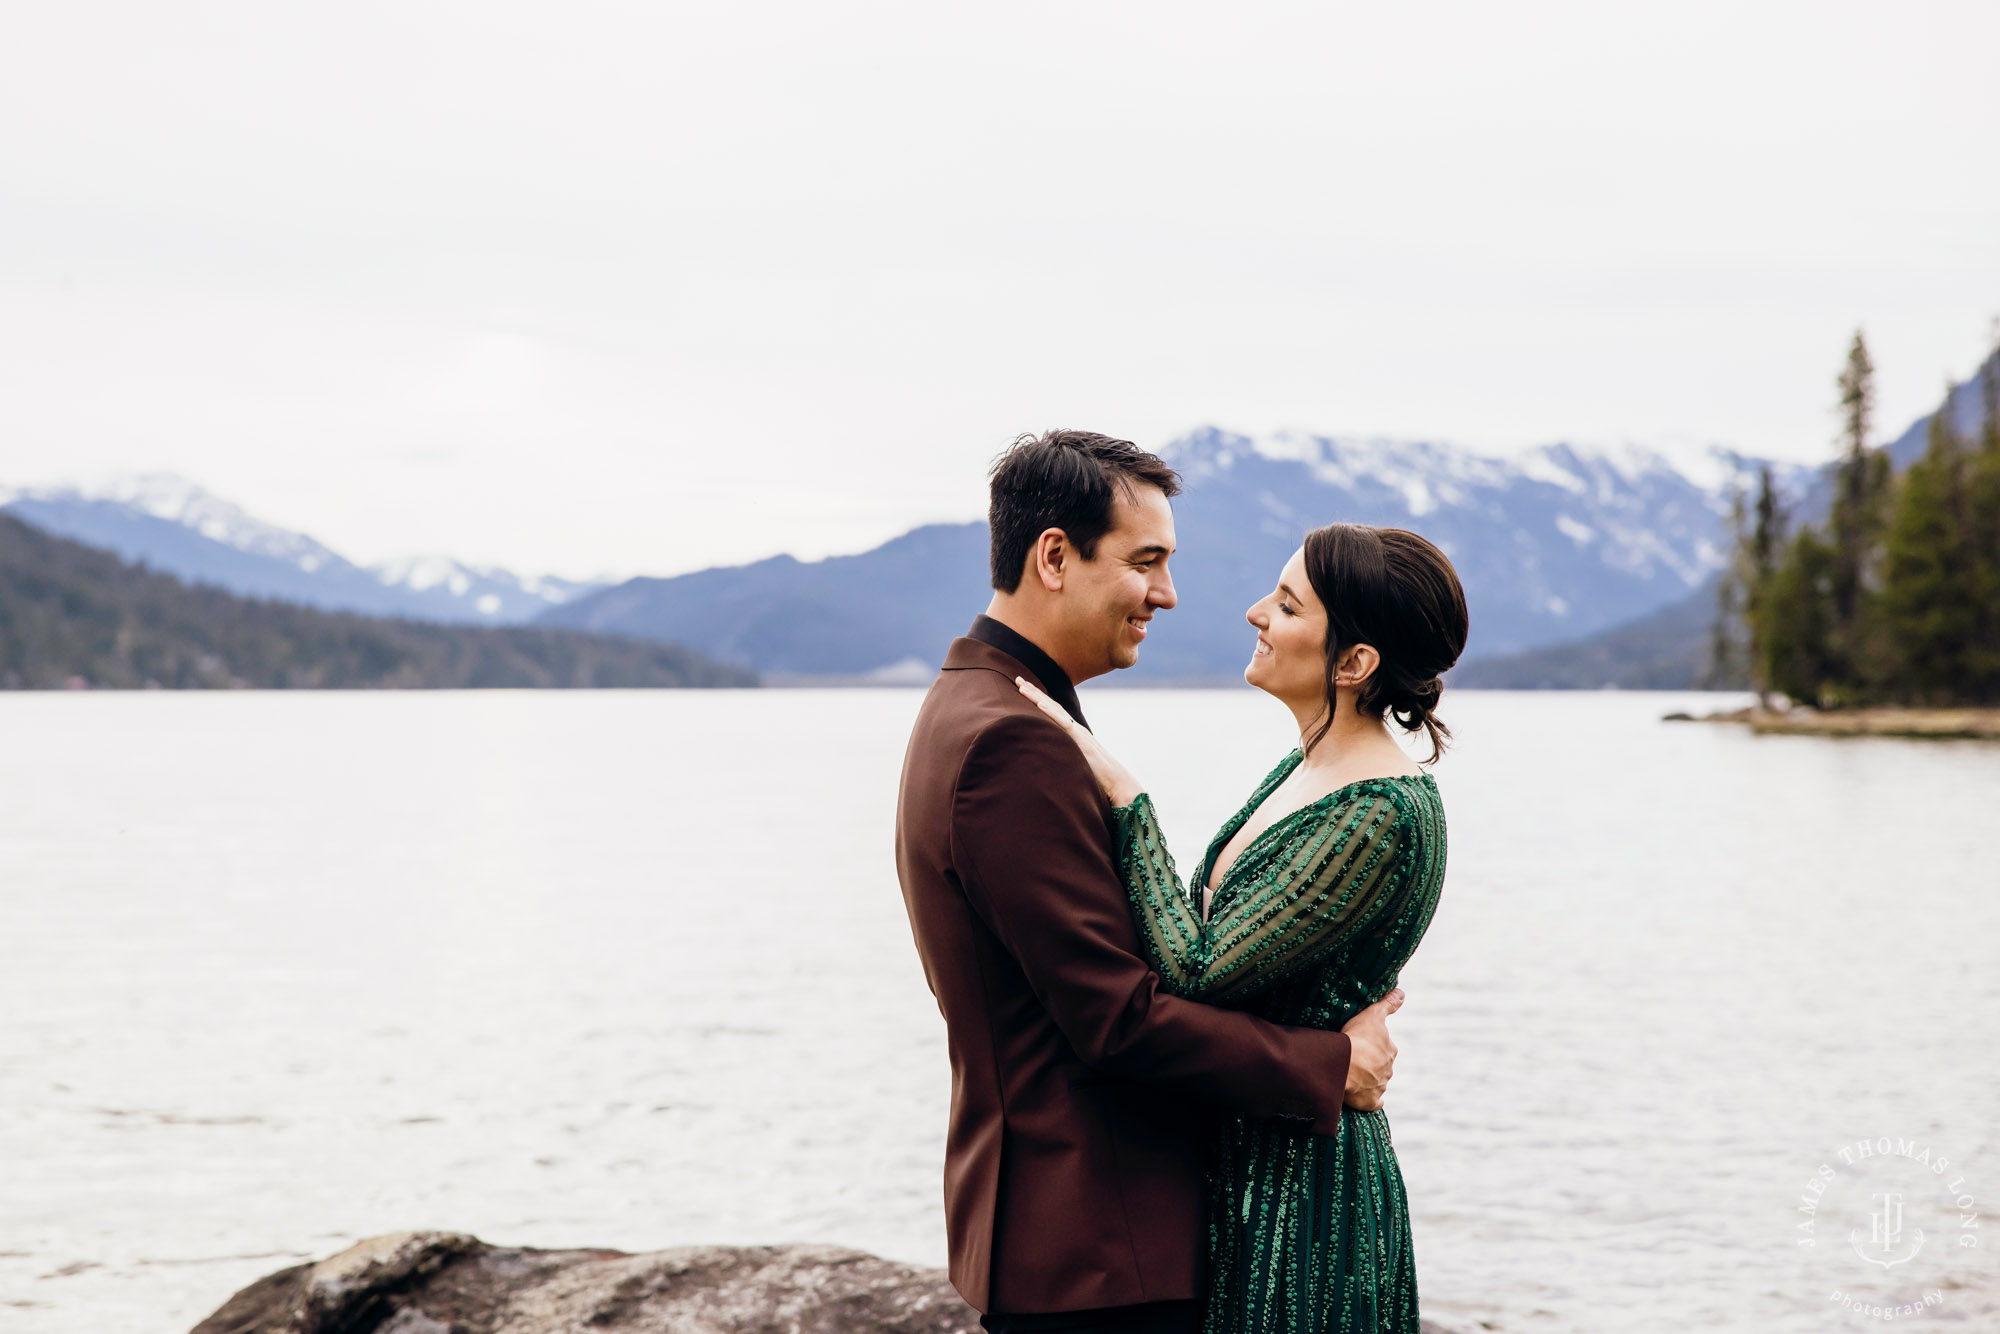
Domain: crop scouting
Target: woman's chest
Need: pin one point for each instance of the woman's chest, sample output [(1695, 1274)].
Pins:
[(1282, 801)]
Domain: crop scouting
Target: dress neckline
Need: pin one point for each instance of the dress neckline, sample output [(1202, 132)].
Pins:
[(1264, 789)]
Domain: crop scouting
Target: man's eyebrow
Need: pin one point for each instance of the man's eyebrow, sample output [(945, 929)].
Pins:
[(1159, 547)]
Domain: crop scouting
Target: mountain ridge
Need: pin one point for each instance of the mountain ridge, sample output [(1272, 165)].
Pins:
[(176, 526), (1556, 544), (1668, 649), (1552, 544), (75, 616)]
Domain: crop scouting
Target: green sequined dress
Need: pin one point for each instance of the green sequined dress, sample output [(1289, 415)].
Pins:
[(1310, 924)]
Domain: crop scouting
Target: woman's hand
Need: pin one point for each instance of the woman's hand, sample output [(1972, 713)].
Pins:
[(1113, 778)]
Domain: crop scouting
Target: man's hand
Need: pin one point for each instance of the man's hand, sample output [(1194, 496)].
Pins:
[(1374, 1056)]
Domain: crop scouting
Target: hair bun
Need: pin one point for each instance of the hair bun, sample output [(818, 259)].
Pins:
[(1413, 710)]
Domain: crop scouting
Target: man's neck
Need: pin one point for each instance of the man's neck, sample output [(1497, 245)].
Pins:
[(1020, 618)]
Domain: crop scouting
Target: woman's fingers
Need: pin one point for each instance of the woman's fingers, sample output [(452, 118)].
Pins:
[(1044, 703)]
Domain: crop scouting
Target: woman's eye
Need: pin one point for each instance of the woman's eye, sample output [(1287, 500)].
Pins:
[(1287, 610)]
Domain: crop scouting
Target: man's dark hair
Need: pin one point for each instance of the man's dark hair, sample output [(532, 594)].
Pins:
[(1066, 480)]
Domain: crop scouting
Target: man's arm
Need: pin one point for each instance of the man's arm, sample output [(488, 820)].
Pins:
[(1034, 853)]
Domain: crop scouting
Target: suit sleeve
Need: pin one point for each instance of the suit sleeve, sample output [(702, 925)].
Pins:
[(1035, 859)]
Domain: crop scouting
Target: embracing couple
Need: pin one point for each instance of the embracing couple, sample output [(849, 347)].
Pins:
[(1166, 1094)]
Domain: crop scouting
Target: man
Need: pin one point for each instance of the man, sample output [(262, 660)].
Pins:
[(1081, 1091)]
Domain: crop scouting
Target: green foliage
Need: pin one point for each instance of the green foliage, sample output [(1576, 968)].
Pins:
[(70, 613), (1728, 654), (1898, 601), (1797, 627), (1934, 594), (1736, 657)]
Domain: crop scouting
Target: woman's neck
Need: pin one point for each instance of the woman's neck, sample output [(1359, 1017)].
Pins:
[(1350, 736)]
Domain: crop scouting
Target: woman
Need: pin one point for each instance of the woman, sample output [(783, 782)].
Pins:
[(1304, 909)]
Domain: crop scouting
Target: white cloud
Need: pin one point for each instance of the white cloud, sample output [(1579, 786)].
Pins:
[(612, 287)]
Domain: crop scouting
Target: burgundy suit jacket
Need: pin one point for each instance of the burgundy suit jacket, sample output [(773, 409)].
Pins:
[(1081, 1092)]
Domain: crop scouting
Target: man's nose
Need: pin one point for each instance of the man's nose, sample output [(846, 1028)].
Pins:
[(1161, 594)]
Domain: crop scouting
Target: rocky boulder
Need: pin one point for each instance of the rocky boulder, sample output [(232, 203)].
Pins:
[(447, 1283)]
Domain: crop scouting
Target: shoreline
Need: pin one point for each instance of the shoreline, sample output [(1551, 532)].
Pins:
[(1967, 724)]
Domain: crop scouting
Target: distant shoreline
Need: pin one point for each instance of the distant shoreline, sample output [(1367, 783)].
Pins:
[(1934, 724)]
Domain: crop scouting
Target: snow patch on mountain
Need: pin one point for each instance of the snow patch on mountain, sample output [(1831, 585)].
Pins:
[(165, 495), (249, 556)]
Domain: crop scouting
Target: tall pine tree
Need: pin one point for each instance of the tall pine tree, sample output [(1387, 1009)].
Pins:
[(1861, 486), (1983, 527), (1898, 599), (1767, 545), (1738, 648), (1930, 607), (1727, 650), (1795, 626)]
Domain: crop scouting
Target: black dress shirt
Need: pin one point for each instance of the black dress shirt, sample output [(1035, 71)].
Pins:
[(1054, 680)]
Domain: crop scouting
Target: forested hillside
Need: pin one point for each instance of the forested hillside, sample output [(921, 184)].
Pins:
[(1663, 650), (71, 615), (1895, 597)]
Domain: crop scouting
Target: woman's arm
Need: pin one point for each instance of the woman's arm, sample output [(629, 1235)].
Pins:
[(1331, 881)]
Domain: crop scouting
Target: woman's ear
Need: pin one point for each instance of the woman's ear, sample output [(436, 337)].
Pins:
[(1357, 663)]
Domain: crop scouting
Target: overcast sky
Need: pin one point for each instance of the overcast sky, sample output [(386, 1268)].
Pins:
[(593, 288)]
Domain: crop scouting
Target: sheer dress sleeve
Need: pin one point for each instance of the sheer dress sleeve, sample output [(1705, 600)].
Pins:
[(1325, 884)]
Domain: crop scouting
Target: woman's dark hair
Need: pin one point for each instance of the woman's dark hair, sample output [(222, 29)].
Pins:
[(1061, 479), (1388, 588)]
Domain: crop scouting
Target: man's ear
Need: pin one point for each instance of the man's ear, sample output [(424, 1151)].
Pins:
[(1357, 663), (1050, 555)]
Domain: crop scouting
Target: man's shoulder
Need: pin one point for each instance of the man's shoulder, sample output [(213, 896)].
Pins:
[(980, 707)]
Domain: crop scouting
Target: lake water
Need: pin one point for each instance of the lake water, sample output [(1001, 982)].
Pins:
[(630, 969)]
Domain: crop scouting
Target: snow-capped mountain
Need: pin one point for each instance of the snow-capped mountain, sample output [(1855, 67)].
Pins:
[(1552, 545), (173, 525)]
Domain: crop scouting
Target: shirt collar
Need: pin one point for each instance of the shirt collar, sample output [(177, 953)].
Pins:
[(1054, 680)]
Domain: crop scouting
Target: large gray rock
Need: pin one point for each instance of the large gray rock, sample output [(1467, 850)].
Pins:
[(446, 1283)]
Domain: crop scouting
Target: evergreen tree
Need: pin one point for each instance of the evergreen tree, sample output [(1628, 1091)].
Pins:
[(1983, 528), (1727, 652), (1737, 644), (1796, 623), (1856, 522), (1930, 606), (1899, 598), (1767, 544)]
